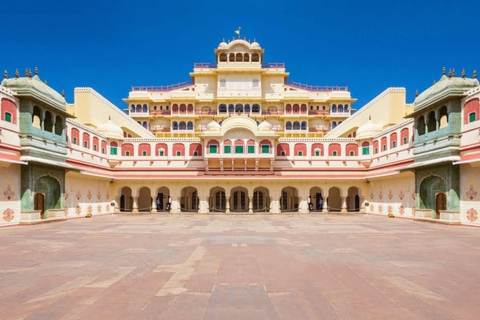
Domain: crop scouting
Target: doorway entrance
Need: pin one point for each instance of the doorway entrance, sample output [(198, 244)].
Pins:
[(39, 203)]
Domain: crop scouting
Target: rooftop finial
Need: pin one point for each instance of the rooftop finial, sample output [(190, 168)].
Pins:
[(444, 71), (45, 81), (434, 81), (36, 70), (223, 39), (16, 73), (5, 74), (63, 93), (449, 73), (26, 72), (453, 72), (474, 74), (29, 73), (416, 93), (463, 73)]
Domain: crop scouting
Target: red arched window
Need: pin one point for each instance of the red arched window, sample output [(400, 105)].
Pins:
[(9, 111)]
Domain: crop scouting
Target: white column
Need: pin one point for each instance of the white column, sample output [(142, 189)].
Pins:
[(344, 204), (203, 206), (275, 203), (303, 205), (250, 204), (227, 204), (117, 205), (135, 204), (154, 204)]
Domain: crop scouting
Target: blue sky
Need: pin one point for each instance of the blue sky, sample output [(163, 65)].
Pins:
[(366, 45)]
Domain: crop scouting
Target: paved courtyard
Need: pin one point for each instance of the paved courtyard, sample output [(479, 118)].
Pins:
[(240, 267)]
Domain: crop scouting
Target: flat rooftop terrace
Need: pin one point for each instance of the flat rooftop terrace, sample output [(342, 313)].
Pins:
[(239, 267)]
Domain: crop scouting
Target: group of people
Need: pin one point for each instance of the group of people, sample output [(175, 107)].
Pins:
[(159, 202), (318, 203)]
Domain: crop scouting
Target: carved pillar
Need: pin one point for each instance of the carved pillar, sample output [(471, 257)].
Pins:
[(135, 204), (344, 204), (227, 204), (303, 205), (117, 205), (203, 206), (275, 203), (154, 205), (250, 204)]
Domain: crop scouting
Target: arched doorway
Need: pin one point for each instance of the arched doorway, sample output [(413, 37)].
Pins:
[(334, 200), (162, 198), (289, 199), (433, 195), (261, 200), (218, 200), (239, 200), (353, 200), (316, 199), (189, 199), (47, 195), (126, 200), (144, 200)]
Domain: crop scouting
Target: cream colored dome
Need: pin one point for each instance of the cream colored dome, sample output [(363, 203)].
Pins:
[(255, 44), (264, 126), (222, 44), (368, 130), (110, 130), (213, 126)]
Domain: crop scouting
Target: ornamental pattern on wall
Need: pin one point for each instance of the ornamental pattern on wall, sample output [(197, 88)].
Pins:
[(380, 195), (78, 209), (472, 215), (380, 208), (372, 195), (89, 209), (413, 195), (390, 194), (107, 208), (107, 195), (401, 195), (372, 208), (78, 195), (389, 209), (401, 210), (8, 215), (9, 193), (471, 192), (89, 194), (413, 212), (99, 195), (99, 208)]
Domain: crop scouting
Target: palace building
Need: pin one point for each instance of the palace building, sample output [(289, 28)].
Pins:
[(239, 137)]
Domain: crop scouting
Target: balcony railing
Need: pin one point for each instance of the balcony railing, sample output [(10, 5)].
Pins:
[(273, 65), (160, 112), (318, 112), (316, 88), (204, 65), (169, 87)]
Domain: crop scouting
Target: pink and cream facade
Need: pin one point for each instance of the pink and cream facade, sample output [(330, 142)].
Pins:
[(238, 137)]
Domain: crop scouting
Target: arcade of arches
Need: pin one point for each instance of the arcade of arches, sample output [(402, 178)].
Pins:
[(239, 199)]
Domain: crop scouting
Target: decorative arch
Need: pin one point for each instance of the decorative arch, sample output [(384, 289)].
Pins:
[(317, 150)]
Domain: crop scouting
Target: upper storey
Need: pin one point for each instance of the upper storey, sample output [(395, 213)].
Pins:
[(239, 54)]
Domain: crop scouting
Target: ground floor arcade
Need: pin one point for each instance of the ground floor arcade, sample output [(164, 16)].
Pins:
[(241, 196)]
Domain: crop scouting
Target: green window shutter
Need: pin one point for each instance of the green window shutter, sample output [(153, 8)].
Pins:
[(238, 149), (227, 149), (74, 140), (213, 148), (265, 148), (472, 117), (365, 151), (85, 144), (394, 144), (144, 153), (404, 140), (352, 153), (251, 149), (162, 153), (113, 151), (8, 117), (94, 147), (334, 153), (317, 153)]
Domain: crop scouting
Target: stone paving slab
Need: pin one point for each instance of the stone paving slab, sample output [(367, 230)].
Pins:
[(240, 267)]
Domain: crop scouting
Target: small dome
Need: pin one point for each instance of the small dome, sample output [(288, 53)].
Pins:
[(264, 126), (368, 130), (110, 130), (222, 44), (255, 44), (213, 126)]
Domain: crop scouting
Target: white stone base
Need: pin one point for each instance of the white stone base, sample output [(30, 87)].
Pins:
[(31, 215)]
